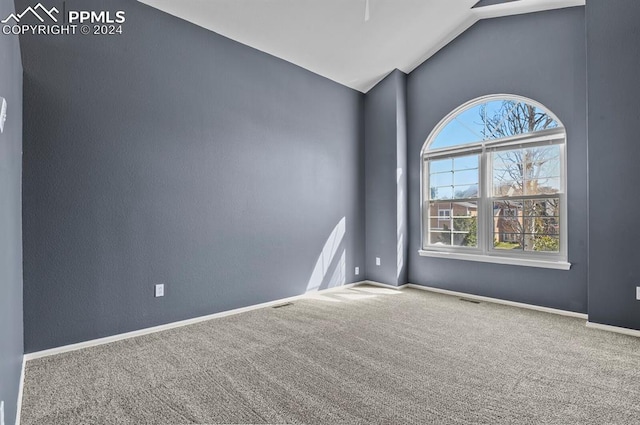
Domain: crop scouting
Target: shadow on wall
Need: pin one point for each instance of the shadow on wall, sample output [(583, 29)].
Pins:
[(330, 269), (400, 223)]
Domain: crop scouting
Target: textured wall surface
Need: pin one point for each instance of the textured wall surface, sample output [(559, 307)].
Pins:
[(385, 182), (173, 155), (540, 56), (402, 192), (11, 334), (170, 154), (613, 54)]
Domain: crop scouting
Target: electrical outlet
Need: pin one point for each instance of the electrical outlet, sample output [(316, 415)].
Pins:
[(377, 261), (638, 293), (357, 270), (160, 290)]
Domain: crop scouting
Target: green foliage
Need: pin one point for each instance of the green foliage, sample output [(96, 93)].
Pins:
[(506, 245), (470, 226), (543, 241), (546, 243)]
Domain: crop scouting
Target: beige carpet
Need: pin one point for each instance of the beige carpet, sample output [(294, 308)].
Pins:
[(359, 356)]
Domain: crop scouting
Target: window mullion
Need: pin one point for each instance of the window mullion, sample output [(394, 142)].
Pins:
[(546, 168), (484, 202)]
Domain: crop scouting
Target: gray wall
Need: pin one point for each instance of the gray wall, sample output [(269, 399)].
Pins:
[(613, 53), (540, 56), (11, 346), (385, 155), (402, 192), (174, 155)]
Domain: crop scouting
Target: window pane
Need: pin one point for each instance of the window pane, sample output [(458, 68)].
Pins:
[(542, 186), (509, 208), (453, 223), (440, 215), (454, 178), (465, 231), (461, 192), (547, 207), (507, 224), (529, 179), (445, 192), (542, 225), (462, 239), (466, 177), (542, 161), (508, 241), (440, 238), (501, 119), (440, 223), (465, 223), (532, 171), (465, 162), (441, 179), (542, 243), (466, 127), (542, 170), (466, 238), (506, 118), (465, 209), (508, 178), (440, 165), (532, 225), (507, 188), (438, 208), (495, 119)]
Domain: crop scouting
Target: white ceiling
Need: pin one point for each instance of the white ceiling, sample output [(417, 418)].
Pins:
[(331, 37)]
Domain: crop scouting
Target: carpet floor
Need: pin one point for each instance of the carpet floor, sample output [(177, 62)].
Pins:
[(364, 355)]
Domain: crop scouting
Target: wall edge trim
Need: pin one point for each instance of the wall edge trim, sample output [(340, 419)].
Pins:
[(615, 329), (145, 331), (500, 301), (20, 391), (382, 285)]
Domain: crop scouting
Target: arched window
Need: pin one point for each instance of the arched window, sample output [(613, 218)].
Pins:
[(494, 184)]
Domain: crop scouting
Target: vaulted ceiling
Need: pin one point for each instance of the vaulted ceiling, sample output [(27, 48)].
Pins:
[(353, 42)]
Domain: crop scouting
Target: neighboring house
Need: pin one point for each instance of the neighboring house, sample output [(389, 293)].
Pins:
[(508, 221), (515, 220), (447, 211)]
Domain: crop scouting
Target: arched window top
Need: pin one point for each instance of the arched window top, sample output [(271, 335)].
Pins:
[(493, 184), (491, 118)]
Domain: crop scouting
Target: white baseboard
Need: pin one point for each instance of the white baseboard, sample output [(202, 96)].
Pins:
[(616, 329), (499, 301), (20, 391), (146, 331), (381, 285)]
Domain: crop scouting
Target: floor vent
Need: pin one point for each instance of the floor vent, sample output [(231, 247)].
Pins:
[(469, 301), (282, 305)]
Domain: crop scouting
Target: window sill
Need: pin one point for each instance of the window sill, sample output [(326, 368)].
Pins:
[(546, 264)]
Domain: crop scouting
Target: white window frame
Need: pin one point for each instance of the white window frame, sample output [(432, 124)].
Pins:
[(485, 251)]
